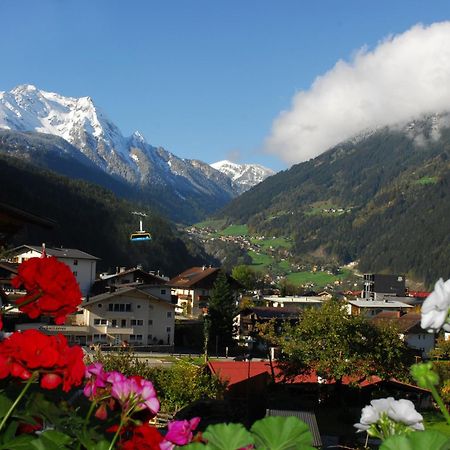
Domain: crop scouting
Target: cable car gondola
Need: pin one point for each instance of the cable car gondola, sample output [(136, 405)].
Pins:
[(140, 235)]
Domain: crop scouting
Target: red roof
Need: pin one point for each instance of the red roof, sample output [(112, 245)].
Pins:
[(237, 371), (418, 294)]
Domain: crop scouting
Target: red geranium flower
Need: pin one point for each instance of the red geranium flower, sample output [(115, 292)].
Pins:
[(52, 289), (145, 437), (32, 351)]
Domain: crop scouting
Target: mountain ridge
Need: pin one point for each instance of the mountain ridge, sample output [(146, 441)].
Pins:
[(143, 167), (365, 200)]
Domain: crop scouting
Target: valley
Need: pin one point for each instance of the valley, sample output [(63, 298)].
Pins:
[(272, 258)]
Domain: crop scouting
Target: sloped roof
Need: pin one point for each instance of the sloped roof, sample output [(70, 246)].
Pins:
[(237, 371), (121, 291), (193, 276), (406, 322), (271, 312), (72, 253)]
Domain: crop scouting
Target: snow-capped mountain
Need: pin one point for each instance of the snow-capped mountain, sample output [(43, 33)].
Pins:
[(95, 139), (243, 176)]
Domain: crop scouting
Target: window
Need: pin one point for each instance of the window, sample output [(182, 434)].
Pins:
[(169, 314), (123, 323), (75, 273), (150, 322), (163, 292), (149, 337), (137, 322), (110, 307), (138, 306), (100, 322), (75, 262), (135, 337), (168, 329), (121, 307), (99, 305), (114, 323)]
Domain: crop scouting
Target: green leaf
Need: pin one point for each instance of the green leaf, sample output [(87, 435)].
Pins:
[(57, 437), (101, 445), (282, 433), (228, 436), (418, 440), (22, 442), (10, 432), (5, 404), (194, 446)]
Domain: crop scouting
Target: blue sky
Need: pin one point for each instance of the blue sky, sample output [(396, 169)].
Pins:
[(204, 79)]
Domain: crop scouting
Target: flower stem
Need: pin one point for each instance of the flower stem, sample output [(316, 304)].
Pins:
[(111, 446), (16, 402), (86, 420), (440, 403)]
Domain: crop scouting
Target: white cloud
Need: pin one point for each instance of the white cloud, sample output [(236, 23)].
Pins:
[(403, 77)]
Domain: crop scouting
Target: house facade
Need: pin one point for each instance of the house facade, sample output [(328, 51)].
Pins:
[(127, 316), (82, 264)]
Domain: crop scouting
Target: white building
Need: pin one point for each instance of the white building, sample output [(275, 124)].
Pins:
[(128, 315), (293, 301), (82, 264), (370, 308)]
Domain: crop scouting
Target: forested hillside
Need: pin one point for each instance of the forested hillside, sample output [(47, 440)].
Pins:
[(92, 219), (383, 200)]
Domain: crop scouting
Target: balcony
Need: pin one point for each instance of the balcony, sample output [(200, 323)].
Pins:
[(117, 330)]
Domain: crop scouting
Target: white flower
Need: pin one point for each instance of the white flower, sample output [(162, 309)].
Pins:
[(400, 411), (404, 411), (370, 414), (436, 306)]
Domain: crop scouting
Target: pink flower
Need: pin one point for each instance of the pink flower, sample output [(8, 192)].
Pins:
[(180, 431), (96, 378), (134, 393)]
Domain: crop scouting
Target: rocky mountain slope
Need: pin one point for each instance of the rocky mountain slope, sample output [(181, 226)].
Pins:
[(191, 188), (243, 176)]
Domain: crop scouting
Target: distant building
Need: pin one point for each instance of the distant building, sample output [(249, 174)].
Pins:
[(370, 308), (409, 329), (192, 288), (293, 301), (380, 286), (127, 277), (82, 264)]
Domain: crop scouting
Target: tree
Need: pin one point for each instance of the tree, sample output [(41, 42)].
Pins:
[(246, 276), (441, 349), (221, 311), (334, 344)]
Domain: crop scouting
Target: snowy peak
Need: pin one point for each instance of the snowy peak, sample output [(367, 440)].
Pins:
[(243, 176)]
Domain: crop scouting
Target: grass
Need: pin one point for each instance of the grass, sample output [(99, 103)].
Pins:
[(261, 260), (427, 180), (235, 230), (317, 278), (275, 242), (435, 421), (216, 224)]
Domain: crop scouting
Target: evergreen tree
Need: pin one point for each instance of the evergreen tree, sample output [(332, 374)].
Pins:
[(222, 310)]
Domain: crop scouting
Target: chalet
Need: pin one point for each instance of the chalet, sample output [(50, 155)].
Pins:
[(409, 328), (193, 286), (82, 264), (126, 316), (127, 277)]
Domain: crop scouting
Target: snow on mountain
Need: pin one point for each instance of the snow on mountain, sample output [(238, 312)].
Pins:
[(131, 159), (243, 176)]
